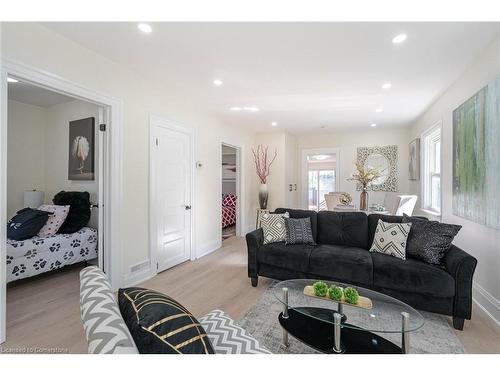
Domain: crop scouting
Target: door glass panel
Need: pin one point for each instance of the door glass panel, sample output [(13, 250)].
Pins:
[(313, 190)]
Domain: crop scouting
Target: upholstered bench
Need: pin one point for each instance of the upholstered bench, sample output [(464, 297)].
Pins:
[(107, 332)]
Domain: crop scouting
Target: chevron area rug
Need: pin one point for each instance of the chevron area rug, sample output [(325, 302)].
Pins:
[(437, 336)]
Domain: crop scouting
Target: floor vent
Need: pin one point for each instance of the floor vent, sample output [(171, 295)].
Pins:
[(139, 266)]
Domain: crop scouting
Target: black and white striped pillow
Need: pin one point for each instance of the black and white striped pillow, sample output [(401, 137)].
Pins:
[(299, 231), (391, 238), (273, 226)]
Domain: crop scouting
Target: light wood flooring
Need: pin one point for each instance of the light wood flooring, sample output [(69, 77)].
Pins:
[(44, 312)]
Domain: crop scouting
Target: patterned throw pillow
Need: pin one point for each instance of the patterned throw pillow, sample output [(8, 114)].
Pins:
[(56, 219), (229, 200), (299, 231), (159, 324), (429, 240), (390, 239), (273, 226), (229, 338)]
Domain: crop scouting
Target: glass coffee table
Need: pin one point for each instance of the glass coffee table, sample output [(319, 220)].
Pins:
[(332, 327)]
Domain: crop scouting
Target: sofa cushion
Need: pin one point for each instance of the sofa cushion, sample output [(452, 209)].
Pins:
[(298, 231), (104, 327), (229, 338), (273, 226), (293, 257), (343, 229), (300, 214), (349, 264), (412, 276)]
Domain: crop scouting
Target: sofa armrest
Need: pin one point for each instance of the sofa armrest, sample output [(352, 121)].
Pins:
[(461, 266), (255, 240)]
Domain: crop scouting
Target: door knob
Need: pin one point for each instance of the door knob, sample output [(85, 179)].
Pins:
[(187, 207)]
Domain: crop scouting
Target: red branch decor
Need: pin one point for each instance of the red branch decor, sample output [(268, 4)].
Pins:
[(262, 163)]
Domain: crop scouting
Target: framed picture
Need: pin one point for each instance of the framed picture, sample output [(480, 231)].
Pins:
[(81, 149), (414, 160)]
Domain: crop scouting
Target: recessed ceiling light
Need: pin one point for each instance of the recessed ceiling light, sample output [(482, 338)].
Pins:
[(274, 123), (145, 28), (378, 110), (373, 125), (235, 108), (387, 85), (12, 80), (251, 109), (218, 82), (400, 38)]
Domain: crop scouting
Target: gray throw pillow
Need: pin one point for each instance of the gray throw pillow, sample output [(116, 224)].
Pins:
[(390, 239), (273, 226), (298, 231), (429, 241)]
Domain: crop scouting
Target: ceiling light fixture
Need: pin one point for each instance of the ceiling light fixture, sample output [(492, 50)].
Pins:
[(12, 80), (378, 110), (235, 108), (145, 28), (387, 85), (251, 109), (321, 157), (274, 123), (400, 38), (373, 125), (217, 82)]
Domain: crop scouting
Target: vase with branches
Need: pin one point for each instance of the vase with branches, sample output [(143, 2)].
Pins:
[(364, 175), (263, 167)]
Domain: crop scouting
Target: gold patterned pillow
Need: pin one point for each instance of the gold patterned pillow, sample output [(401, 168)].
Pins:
[(159, 324)]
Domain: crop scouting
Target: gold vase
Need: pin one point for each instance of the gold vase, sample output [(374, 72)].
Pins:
[(363, 200)]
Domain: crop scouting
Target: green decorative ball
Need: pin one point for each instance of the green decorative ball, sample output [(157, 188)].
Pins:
[(320, 288), (335, 292), (351, 295)]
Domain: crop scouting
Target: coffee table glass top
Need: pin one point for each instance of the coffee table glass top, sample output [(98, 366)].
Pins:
[(384, 316)]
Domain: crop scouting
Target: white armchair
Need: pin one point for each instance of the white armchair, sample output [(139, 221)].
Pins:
[(400, 204)]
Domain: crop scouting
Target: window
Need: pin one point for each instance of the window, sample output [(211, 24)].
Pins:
[(431, 188)]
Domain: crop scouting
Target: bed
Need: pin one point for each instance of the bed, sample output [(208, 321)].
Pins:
[(42, 254), (228, 210)]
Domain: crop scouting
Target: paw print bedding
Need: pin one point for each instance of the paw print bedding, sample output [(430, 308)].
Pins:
[(42, 254)]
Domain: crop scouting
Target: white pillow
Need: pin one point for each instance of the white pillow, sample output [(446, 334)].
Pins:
[(55, 220), (274, 227), (390, 239)]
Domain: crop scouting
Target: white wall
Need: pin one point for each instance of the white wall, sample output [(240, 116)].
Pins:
[(37, 46), (26, 152), (56, 152), (478, 240), (347, 142)]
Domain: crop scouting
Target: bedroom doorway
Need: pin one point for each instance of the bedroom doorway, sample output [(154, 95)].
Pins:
[(230, 189), (42, 118)]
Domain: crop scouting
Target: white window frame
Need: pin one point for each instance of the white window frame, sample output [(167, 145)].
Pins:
[(429, 137)]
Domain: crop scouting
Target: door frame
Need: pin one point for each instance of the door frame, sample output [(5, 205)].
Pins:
[(112, 205), (239, 187), (303, 172), (160, 122)]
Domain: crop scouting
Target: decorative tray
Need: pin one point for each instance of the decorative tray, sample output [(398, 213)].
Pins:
[(363, 302)]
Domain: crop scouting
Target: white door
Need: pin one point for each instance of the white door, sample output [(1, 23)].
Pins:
[(171, 196)]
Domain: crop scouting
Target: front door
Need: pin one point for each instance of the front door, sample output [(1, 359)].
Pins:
[(171, 196)]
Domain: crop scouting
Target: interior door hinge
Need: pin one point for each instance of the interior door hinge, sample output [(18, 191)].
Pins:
[(157, 267), (156, 141), (102, 127)]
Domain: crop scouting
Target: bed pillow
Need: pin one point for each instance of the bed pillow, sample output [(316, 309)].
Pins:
[(429, 240), (229, 200), (390, 239), (159, 324), (56, 219), (79, 211), (273, 226), (26, 224), (298, 231)]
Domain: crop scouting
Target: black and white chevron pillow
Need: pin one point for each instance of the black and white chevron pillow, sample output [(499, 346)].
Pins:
[(273, 226), (229, 338), (390, 239)]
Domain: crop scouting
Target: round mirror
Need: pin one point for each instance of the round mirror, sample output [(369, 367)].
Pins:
[(381, 163)]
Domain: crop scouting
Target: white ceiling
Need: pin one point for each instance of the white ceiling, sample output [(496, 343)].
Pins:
[(304, 76), (30, 94)]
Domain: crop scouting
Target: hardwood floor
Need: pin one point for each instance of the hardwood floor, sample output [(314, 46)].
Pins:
[(44, 313)]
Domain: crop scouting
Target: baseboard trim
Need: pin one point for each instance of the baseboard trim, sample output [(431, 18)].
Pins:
[(135, 278), (486, 302), (208, 248)]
